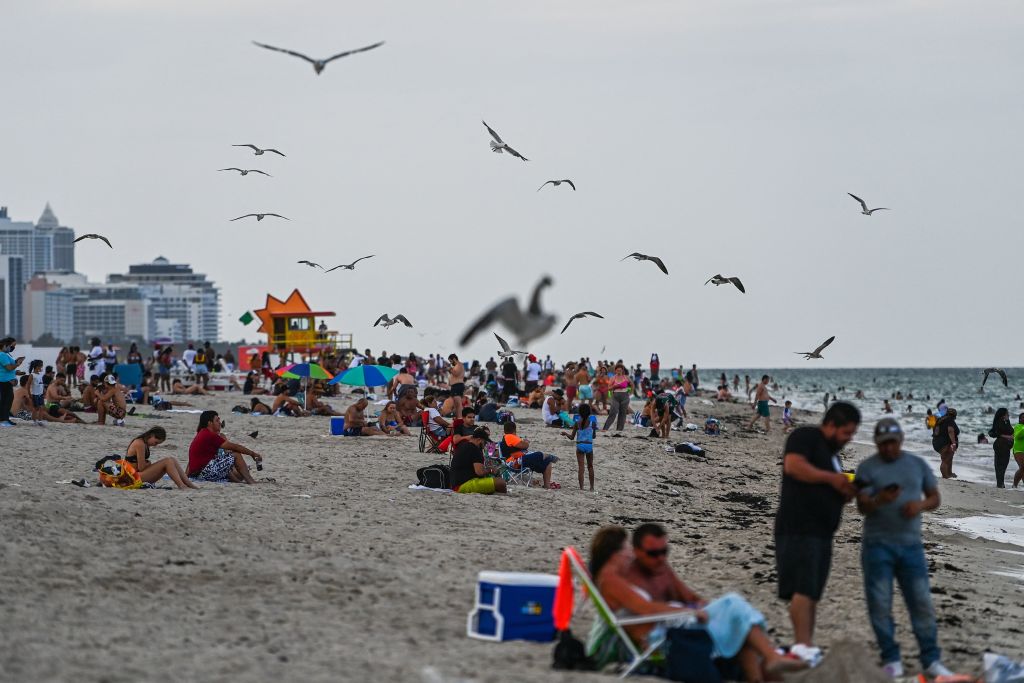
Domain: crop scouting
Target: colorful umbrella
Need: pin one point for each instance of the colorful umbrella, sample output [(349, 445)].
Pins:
[(366, 376), (300, 370)]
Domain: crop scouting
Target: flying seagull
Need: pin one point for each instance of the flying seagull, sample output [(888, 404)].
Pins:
[(245, 171), (311, 264), (94, 236), (864, 207), (261, 216), (498, 145), (998, 371), (387, 322), (556, 183), (319, 64), (722, 280), (526, 326), (816, 353), (643, 257), (506, 351), (584, 314), (350, 266), (257, 151)]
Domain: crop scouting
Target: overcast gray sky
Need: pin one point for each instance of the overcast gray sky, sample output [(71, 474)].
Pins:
[(722, 136)]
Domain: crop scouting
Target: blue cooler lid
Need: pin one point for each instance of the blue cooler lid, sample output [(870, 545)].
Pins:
[(518, 579)]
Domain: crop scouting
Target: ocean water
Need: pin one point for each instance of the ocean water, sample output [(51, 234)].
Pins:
[(960, 387)]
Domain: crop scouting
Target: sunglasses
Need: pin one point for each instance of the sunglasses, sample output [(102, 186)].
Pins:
[(656, 553)]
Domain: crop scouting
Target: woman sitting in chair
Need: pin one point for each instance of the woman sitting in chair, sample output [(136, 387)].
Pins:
[(736, 629)]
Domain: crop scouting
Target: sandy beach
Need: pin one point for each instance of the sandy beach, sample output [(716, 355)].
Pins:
[(331, 569)]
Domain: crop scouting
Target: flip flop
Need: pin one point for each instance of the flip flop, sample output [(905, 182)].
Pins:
[(554, 485)]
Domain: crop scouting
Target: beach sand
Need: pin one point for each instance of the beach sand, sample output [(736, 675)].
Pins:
[(336, 571)]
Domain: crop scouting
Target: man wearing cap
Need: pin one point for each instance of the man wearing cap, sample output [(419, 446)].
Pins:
[(467, 472), (895, 487), (110, 401), (532, 373)]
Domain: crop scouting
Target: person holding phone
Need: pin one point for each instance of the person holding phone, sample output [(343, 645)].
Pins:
[(8, 371), (895, 487)]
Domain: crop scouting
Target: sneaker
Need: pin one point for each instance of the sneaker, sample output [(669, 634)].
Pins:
[(935, 669), (811, 655), (893, 669)]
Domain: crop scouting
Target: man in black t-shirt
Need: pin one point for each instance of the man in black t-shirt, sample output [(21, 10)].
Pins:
[(467, 471), (814, 491), (510, 372)]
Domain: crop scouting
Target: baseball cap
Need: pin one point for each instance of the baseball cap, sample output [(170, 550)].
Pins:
[(110, 379), (887, 429)]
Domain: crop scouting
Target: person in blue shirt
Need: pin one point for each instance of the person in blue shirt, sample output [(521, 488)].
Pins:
[(583, 432), (894, 488), (8, 365)]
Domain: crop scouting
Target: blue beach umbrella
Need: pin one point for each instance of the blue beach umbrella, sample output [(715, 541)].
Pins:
[(366, 376)]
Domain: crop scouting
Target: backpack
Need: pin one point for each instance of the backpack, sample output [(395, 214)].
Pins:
[(569, 654), (435, 476)]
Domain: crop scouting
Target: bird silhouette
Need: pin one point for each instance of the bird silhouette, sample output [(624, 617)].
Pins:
[(319, 64), (94, 236), (525, 325), (864, 207), (498, 145), (643, 257), (816, 353)]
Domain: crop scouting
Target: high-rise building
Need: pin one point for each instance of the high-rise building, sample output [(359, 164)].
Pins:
[(44, 247), (184, 305), (71, 309), (12, 273)]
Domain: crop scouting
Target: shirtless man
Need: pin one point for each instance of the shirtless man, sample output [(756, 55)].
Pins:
[(586, 391), (398, 383), (409, 406), (89, 393), (57, 393), (178, 388), (456, 382), (288, 405), (22, 407), (570, 382), (110, 401), (355, 421), (651, 571), (761, 398)]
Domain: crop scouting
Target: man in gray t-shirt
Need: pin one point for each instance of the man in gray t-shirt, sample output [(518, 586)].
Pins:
[(895, 487)]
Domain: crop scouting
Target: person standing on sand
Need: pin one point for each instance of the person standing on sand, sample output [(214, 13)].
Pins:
[(655, 367), (619, 410), (896, 487), (456, 382), (1018, 449), (814, 491), (760, 405), (945, 441), (1002, 443)]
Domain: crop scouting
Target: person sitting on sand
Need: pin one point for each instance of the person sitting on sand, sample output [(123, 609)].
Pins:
[(258, 407), (390, 421), (252, 385), (22, 407), (110, 401), (284, 404), (553, 410), (536, 398), (355, 420), (736, 629), (151, 472), (468, 473), (211, 457), (723, 393), (408, 405), (179, 388), (516, 453)]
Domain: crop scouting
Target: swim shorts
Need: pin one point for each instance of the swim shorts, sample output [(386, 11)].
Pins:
[(586, 392), (762, 409), (803, 564), (37, 401), (201, 369), (479, 485), (217, 469), (353, 431), (458, 389)]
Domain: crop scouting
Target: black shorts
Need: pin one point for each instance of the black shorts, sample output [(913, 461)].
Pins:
[(530, 385), (458, 389), (803, 564)]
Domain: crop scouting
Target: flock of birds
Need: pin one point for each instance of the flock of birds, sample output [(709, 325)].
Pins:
[(526, 325)]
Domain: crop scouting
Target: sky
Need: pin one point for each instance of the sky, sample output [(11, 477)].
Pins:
[(722, 136)]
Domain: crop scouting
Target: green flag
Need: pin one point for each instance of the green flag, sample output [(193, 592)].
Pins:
[(246, 318)]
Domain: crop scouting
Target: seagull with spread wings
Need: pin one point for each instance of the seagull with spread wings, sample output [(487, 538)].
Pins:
[(816, 353), (556, 183), (584, 314), (319, 64), (311, 264), (350, 266), (864, 207), (94, 236), (386, 322), (998, 371), (644, 257), (245, 171), (525, 325), (260, 151), (261, 216), (507, 351), (498, 145), (722, 280)]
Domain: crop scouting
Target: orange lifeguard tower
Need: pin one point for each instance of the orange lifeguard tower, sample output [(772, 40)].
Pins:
[(290, 326)]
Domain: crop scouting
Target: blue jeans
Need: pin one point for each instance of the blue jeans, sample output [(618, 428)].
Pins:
[(881, 563)]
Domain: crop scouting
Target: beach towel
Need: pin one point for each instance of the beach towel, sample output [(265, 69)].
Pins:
[(417, 487)]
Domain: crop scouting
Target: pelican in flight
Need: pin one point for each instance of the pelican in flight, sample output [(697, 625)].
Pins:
[(319, 64), (498, 145), (816, 353)]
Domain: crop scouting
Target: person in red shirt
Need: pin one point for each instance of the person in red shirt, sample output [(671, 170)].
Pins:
[(211, 457)]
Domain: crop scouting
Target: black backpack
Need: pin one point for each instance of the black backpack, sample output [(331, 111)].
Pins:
[(435, 476), (569, 654)]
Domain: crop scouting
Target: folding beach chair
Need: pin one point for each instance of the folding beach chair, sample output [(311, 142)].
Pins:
[(518, 476), (614, 624), (429, 441)]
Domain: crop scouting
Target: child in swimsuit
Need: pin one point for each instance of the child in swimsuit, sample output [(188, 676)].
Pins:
[(583, 432), (787, 417)]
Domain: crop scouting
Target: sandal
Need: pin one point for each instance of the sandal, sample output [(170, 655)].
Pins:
[(554, 485)]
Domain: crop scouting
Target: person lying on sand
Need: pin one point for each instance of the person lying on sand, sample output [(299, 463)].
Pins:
[(211, 457), (151, 472), (355, 421), (737, 630), (258, 407), (180, 388), (390, 421), (287, 405)]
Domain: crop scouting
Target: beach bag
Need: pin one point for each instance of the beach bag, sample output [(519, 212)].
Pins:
[(569, 654), (435, 476), (116, 472), (688, 656)]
